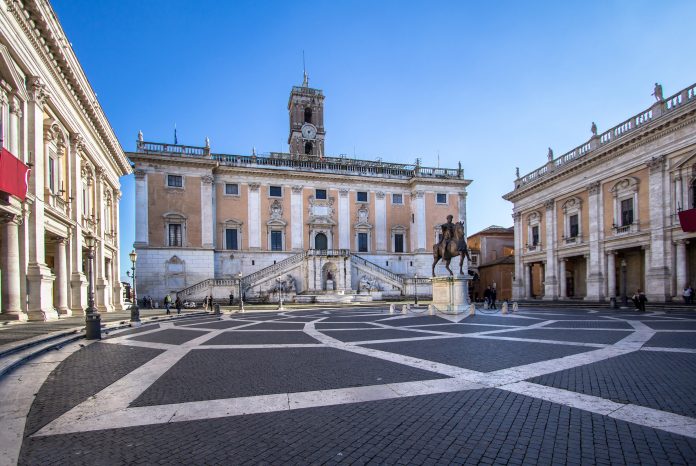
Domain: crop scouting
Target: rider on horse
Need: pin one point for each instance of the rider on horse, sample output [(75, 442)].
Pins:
[(448, 234)]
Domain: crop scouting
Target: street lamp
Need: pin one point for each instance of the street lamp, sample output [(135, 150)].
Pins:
[(624, 298), (92, 317), (415, 289), (135, 310), (280, 293), (241, 296)]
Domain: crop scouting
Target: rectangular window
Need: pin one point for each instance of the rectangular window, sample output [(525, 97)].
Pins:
[(626, 212), (320, 194), (232, 189), (175, 181), (175, 234), (573, 224), (361, 196), (276, 240), (52, 174), (398, 242), (441, 198), (362, 242), (535, 236), (397, 198), (275, 191), (231, 239)]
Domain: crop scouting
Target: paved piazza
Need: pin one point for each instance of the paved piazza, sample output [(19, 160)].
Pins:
[(362, 386)]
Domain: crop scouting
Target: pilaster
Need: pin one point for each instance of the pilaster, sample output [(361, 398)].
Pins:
[(296, 219), (658, 274), (11, 304), (254, 215), (380, 222), (418, 206), (207, 221), (518, 282), (595, 277), (141, 207), (343, 219), (550, 279)]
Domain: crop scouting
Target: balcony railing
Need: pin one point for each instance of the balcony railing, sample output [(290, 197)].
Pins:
[(534, 247), (624, 229)]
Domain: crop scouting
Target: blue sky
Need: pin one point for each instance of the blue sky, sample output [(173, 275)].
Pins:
[(490, 84)]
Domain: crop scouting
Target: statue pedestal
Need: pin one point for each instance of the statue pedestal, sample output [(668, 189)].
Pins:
[(329, 285), (451, 294)]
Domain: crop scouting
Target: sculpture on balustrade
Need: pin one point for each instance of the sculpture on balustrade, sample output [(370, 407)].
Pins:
[(550, 155), (594, 129), (657, 92), (517, 172), (452, 244)]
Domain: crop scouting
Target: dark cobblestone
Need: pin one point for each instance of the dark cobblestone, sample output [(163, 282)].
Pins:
[(211, 373), (81, 375), (480, 354), (672, 325), (357, 318), (334, 325), (460, 328), (580, 336), (499, 320), (220, 324), (276, 326), (373, 334), (187, 322), (260, 338), (673, 340), (131, 331), (657, 380), (170, 336), (591, 324), (420, 320), (459, 427)]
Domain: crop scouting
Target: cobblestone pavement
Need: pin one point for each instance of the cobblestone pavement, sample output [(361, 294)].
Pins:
[(362, 386)]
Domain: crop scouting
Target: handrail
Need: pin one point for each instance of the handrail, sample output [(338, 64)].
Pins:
[(272, 270), (381, 270), (623, 129)]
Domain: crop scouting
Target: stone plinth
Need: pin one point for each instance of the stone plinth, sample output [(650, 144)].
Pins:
[(451, 294)]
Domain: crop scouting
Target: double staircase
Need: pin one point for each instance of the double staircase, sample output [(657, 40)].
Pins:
[(376, 271)]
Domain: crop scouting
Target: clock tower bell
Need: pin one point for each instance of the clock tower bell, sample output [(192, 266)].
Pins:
[(306, 109)]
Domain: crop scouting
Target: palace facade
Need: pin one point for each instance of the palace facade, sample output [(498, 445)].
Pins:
[(51, 122), (603, 220), (299, 222)]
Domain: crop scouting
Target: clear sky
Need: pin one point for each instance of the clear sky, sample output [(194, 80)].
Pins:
[(491, 84)]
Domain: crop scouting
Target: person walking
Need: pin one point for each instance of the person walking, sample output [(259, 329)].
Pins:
[(167, 302), (487, 297), (492, 296), (177, 304), (639, 299), (231, 298), (687, 294)]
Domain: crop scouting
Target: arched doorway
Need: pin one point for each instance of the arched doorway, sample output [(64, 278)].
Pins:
[(321, 242)]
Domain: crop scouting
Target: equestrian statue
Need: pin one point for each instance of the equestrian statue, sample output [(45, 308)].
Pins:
[(452, 244)]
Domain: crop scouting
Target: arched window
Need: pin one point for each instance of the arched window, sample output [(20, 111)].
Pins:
[(308, 115), (308, 148), (321, 242)]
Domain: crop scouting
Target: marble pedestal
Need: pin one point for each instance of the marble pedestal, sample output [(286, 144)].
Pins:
[(451, 294)]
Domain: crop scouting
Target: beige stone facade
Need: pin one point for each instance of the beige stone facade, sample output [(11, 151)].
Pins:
[(602, 220), (202, 218), (52, 121)]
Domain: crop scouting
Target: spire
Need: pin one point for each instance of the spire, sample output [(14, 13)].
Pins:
[(140, 136), (305, 81)]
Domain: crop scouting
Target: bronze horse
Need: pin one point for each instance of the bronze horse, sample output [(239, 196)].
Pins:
[(451, 247)]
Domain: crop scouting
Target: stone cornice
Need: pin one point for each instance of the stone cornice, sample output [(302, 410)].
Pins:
[(42, 29)]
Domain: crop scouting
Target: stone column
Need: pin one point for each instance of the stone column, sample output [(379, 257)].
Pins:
[(39, 276), (11, 305), (611, 274), (527, 281), (117, 289), (682, 267), (207, 222), (343, 219), (78, 280), (678, 192), (254, 214), (141, 206), (462, 210), (100, 277), (595, 278), (297, 219), (380, 222), (562, 278), (518, 286), (418, 207), (658, 274), (15, 128), (60, 292), (550, 279)]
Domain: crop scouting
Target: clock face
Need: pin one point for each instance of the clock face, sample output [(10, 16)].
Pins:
[(309, 131)]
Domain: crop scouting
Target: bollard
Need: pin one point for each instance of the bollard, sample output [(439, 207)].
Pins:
[(472, 309), (431, 310), (404, 309), (217, 309), (485, 305), (504, 308), (391, 308), (514, 306)]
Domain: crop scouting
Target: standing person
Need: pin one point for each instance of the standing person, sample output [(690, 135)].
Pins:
[(639, 299), (487, 295), (493, 295), (167, 302), (205, 304), (686, 294), (231, 298), (177, 304)]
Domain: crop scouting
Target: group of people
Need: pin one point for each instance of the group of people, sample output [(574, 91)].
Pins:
[(489, 296), (168, 304)]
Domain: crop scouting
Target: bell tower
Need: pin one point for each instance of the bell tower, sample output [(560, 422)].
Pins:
[(306, 109)]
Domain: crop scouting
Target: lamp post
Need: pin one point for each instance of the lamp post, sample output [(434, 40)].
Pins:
[(241, 296), (415, 289), (624, 298), (135, 310), (280, 293), (92, 317)]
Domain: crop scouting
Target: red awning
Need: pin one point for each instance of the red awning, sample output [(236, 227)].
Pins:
[(687, 218), (14, 175)]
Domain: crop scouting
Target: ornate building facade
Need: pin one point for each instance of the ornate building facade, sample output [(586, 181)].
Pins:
[(602, 220), (209, 222), (52, 122)]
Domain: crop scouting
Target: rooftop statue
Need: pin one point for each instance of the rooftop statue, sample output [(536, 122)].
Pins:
[(593, 129), (657, 92)]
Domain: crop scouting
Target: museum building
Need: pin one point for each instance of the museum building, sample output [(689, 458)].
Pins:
[(615, 214), (309, 226), (59, 182)]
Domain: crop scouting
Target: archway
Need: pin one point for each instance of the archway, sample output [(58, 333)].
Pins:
[(321, 242)]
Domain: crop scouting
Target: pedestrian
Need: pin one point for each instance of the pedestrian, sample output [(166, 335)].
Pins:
[(492, 295), (686, 294), (205, 303), (487, 297), (639, 299), (231, 298), (167, 302), (177, 303)]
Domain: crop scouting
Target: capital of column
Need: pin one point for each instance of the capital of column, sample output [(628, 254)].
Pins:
[(77, 142), (379, 194), (139, 175), (254, 186), (16, 106), (343, 192), (462, 195), (549, 204), (207, 179), (593, 188), (656, 164), (417, 194), (297, 189), (37, 90), (11, 218), (681, 241), (516, 216)]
